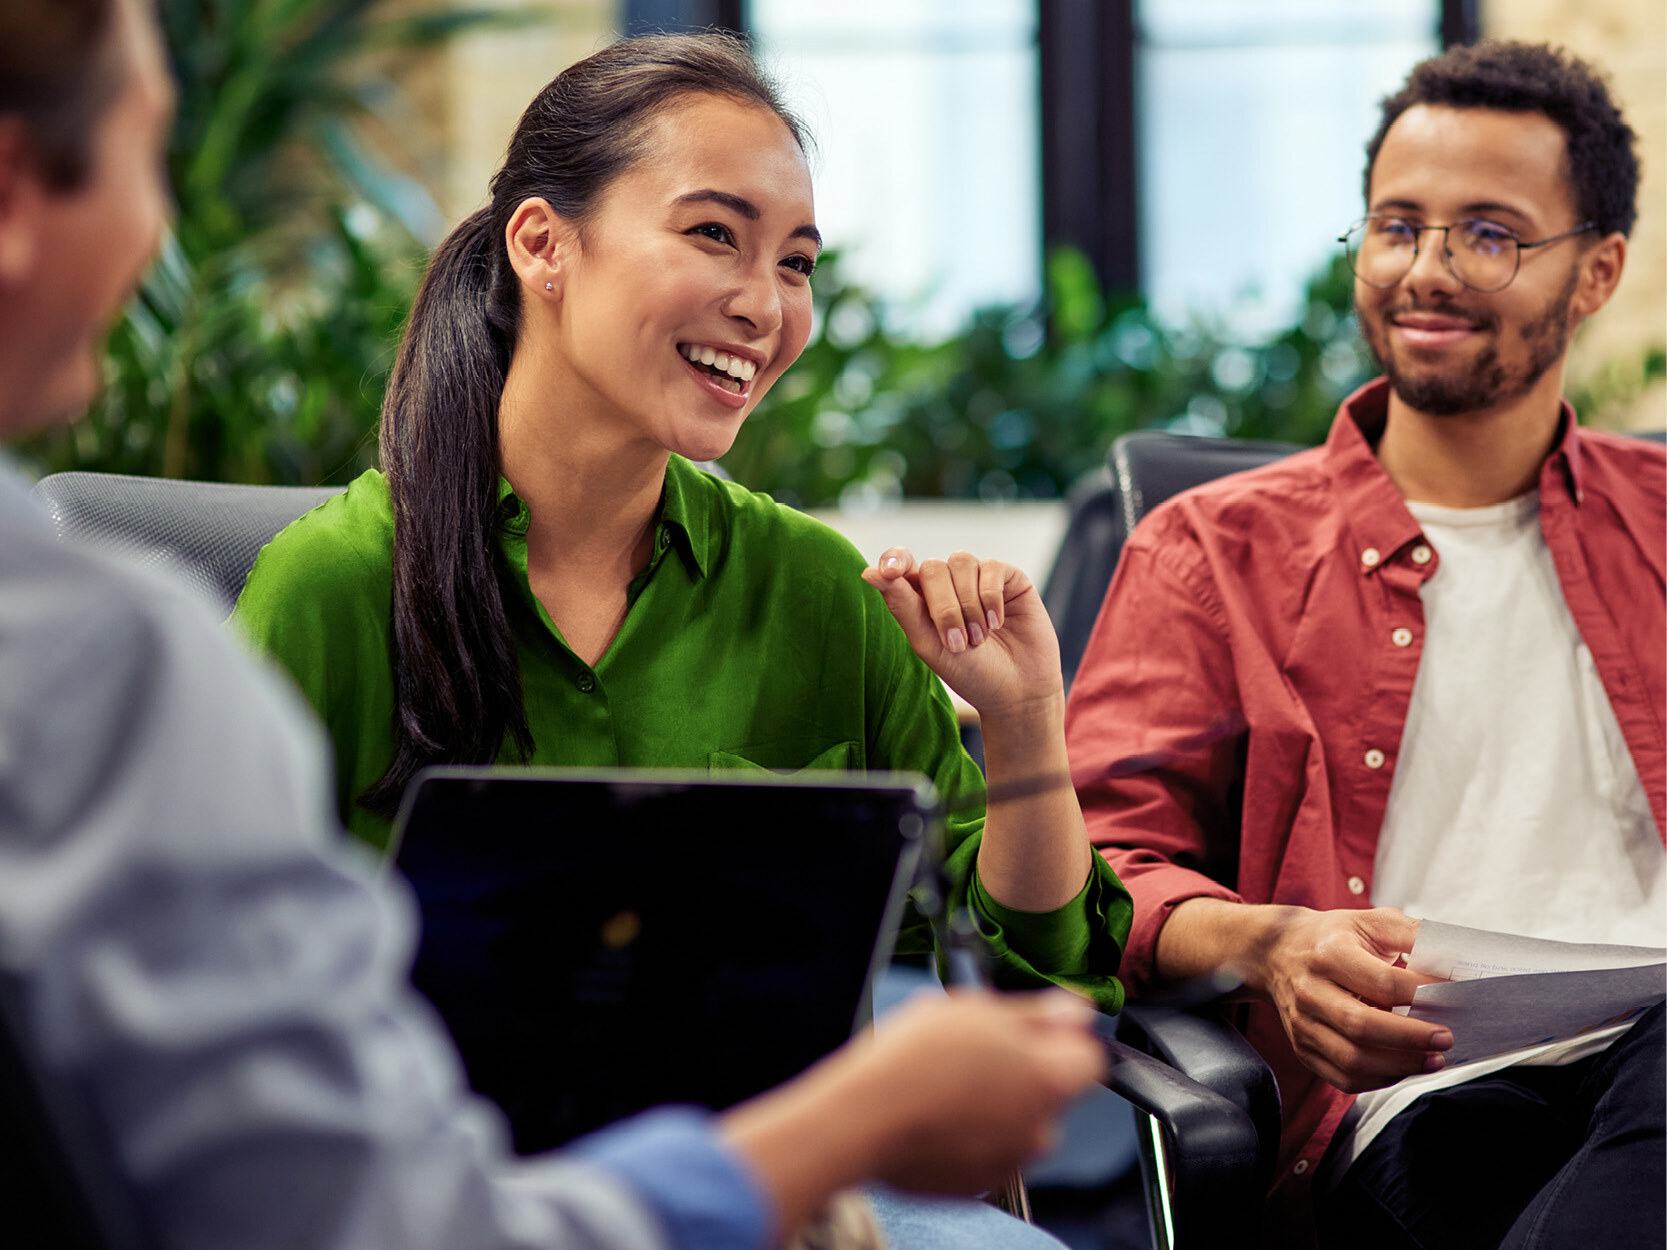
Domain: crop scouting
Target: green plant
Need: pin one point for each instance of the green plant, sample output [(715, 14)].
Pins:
[(257, 348), (1010, 409)]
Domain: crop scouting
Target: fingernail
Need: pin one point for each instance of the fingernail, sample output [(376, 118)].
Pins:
[(956, 640), (1434, 1063), (1442, 1041), (994, 622), (888, 563), (974, 634)]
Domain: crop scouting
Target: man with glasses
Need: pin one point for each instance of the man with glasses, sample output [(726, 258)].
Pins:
[(1434, 654)]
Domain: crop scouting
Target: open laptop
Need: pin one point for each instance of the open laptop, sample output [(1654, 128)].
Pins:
[(599, 942)]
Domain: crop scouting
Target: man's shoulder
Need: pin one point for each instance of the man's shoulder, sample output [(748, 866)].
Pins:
[(1625, 464), (98, 652), (1276, 502)]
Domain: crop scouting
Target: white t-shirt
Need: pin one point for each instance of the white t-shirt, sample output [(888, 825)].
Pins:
[(1515, 804)]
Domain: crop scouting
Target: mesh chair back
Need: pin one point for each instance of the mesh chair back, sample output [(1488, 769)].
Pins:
[(210, 531), (1144, 468)]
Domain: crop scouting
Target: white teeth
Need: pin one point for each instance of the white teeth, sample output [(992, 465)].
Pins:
[(738, 367)]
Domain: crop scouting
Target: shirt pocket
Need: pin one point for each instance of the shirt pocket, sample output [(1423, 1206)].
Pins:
[(777, 758)]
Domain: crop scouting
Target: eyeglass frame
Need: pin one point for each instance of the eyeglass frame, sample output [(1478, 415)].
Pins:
[(1418, 232)]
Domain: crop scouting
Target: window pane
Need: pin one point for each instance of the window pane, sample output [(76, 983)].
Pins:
[(926, 163), (1253, 134)]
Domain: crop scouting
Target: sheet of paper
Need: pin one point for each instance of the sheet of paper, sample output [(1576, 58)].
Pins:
[(1504, 992)]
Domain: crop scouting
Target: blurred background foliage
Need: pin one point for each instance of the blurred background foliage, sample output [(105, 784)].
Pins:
[(1026, 400), (258, 347)]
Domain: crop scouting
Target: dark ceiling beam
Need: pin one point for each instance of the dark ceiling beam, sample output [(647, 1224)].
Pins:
[(684, 15), (1461, 22), (1087, 77)]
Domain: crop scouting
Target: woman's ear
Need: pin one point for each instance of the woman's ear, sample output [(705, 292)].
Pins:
[(539, 241)]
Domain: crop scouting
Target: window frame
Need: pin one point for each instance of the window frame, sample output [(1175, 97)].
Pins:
[(1089, 155)]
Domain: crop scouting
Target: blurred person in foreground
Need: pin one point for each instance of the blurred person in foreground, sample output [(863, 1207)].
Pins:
[(1419, 672), (209, 970)]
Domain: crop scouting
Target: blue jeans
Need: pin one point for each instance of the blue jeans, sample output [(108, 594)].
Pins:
[(1527, 1158), (927, 1222)]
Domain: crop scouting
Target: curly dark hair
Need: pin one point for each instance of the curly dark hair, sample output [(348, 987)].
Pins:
[(1535, 78)]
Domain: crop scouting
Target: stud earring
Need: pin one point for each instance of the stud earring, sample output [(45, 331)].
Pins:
[(549, 286)]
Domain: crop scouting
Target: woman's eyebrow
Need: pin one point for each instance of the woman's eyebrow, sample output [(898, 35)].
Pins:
[(743, 207)]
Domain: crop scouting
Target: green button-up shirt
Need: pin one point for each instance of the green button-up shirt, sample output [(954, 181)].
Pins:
[(750, 641)]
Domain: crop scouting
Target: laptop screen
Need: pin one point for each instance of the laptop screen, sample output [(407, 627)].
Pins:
[(603, 942)]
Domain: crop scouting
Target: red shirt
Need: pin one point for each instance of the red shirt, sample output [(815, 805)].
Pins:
[(1235, 723)]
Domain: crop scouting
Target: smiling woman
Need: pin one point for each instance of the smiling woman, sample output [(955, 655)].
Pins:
[(540, 573)]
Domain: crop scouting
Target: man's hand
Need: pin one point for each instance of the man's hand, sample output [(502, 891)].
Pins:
[(1330, 974), (950, 1094), (975, 1083)]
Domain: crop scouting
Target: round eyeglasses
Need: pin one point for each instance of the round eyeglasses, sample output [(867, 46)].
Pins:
[(1483, 255)]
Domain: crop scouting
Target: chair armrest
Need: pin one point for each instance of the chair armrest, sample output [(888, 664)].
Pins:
[(1204, 1047), (1209, 1148)]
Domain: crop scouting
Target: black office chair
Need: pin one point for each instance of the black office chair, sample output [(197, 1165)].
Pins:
[(208, 531), (1143, 469)]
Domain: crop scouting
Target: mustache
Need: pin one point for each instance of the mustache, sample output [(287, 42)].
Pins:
[(1478, 320)]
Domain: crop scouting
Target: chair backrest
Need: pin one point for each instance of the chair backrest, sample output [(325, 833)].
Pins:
[(210, 531), (1144, 468)]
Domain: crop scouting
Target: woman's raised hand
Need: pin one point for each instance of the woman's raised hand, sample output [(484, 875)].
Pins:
[(978, 624)]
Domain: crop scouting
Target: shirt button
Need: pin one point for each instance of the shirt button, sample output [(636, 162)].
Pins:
[(1300, 1166), (586, 683), (1356, 886), (661, 538), (1402, 637), (1370, 557), (1374, 758), (1421, 554)]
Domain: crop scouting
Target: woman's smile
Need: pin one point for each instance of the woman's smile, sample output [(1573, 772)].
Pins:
[(726, 370)]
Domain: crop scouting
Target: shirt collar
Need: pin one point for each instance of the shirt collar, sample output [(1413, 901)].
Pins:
[(1377, 513), (685, 520), (686, 514), (1562, 467)]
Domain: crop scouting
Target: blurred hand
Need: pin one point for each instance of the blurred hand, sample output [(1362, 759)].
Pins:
[(1331, 975), (973, 1083), (978, 624)]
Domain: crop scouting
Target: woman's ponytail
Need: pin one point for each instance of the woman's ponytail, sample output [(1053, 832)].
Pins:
[(458, 687)]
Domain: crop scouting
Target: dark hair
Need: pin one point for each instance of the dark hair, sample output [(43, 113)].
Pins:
[(59, 69), (1602, 167), (457, 682)]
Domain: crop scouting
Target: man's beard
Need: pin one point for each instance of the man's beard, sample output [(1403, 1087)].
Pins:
[(1486, 383)]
